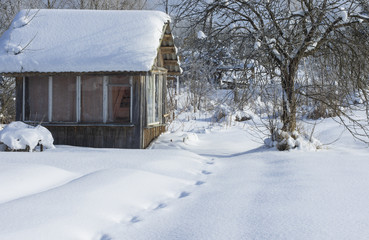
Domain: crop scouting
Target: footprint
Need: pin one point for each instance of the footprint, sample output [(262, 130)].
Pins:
[(210, 163), (198, 183), (105, 237), (160, 206), (205, 172), (184, 194), (135, 219)]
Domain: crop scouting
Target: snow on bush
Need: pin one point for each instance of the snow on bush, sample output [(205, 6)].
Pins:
[(190, 137), (283, 140), (241, 116), (20, 136), (221, 112)]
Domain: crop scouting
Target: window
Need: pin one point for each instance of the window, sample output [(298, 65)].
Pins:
[(91, 99), (153, 96), (64, 99), (119, 99), (86, 99), (36, 108)]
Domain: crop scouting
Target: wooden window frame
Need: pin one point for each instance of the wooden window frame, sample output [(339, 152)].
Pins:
[(78, 103), (156, 95), (106, 96)]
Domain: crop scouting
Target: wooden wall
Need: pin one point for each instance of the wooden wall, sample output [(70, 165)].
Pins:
[(96, 136), (105, 136), (150, 133), (137, 134)]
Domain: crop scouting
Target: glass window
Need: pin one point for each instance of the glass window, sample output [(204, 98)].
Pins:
[(123, 80), (92, 99), (150, 93), (64, 99), (38, 94), (157, 98), (119, 99), (153, 98)]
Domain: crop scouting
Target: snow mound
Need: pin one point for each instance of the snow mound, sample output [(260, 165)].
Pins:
[(24, 179), (241, 116), (18, 136), (287, 141), (221, 113), (190, 137)]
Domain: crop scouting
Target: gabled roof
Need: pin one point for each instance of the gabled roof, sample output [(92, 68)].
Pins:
[(82, 41)]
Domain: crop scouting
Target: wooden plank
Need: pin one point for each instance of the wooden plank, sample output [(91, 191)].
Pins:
[(168, 50), (173, 74), (170, 62), (171, 78), (50, 106), (168, 38), (95, 136), (152, 133)]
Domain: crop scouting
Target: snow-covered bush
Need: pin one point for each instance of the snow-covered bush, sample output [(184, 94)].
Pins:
[(20, 136), (243, 116), (190, 137), (283, 141), (221, 112), (320, 111)]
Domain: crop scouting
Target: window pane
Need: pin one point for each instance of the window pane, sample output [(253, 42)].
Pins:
[(150, 100), (157, 98), (154, 98), (64, 99), (119, 104), (124, 80), (38, 95), (92, 99)]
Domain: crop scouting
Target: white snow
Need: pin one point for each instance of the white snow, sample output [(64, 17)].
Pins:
[(343, 14), (201, 35), (257, 45), (81, 41), (200, 180), (18, 135), (79, 193)]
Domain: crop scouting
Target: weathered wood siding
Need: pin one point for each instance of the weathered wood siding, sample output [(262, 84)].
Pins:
[(137, 134), (137, 110), (150, 133), (105, 136), (96, 136)]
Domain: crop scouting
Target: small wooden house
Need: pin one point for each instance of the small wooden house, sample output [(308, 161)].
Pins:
[(93, 78)]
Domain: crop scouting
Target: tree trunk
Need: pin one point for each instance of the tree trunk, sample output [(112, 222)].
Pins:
[(289, 105)]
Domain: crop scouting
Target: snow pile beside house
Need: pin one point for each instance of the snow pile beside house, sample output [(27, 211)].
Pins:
[(20, 136)]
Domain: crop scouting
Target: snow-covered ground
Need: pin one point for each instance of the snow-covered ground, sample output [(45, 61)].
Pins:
[(198, 181)]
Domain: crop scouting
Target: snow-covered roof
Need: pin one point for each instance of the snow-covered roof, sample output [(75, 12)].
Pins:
[(81, 41)]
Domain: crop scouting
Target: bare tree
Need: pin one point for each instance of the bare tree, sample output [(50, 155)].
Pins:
[(285, 33), (8, 9), (7, 100), (108, 4)]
